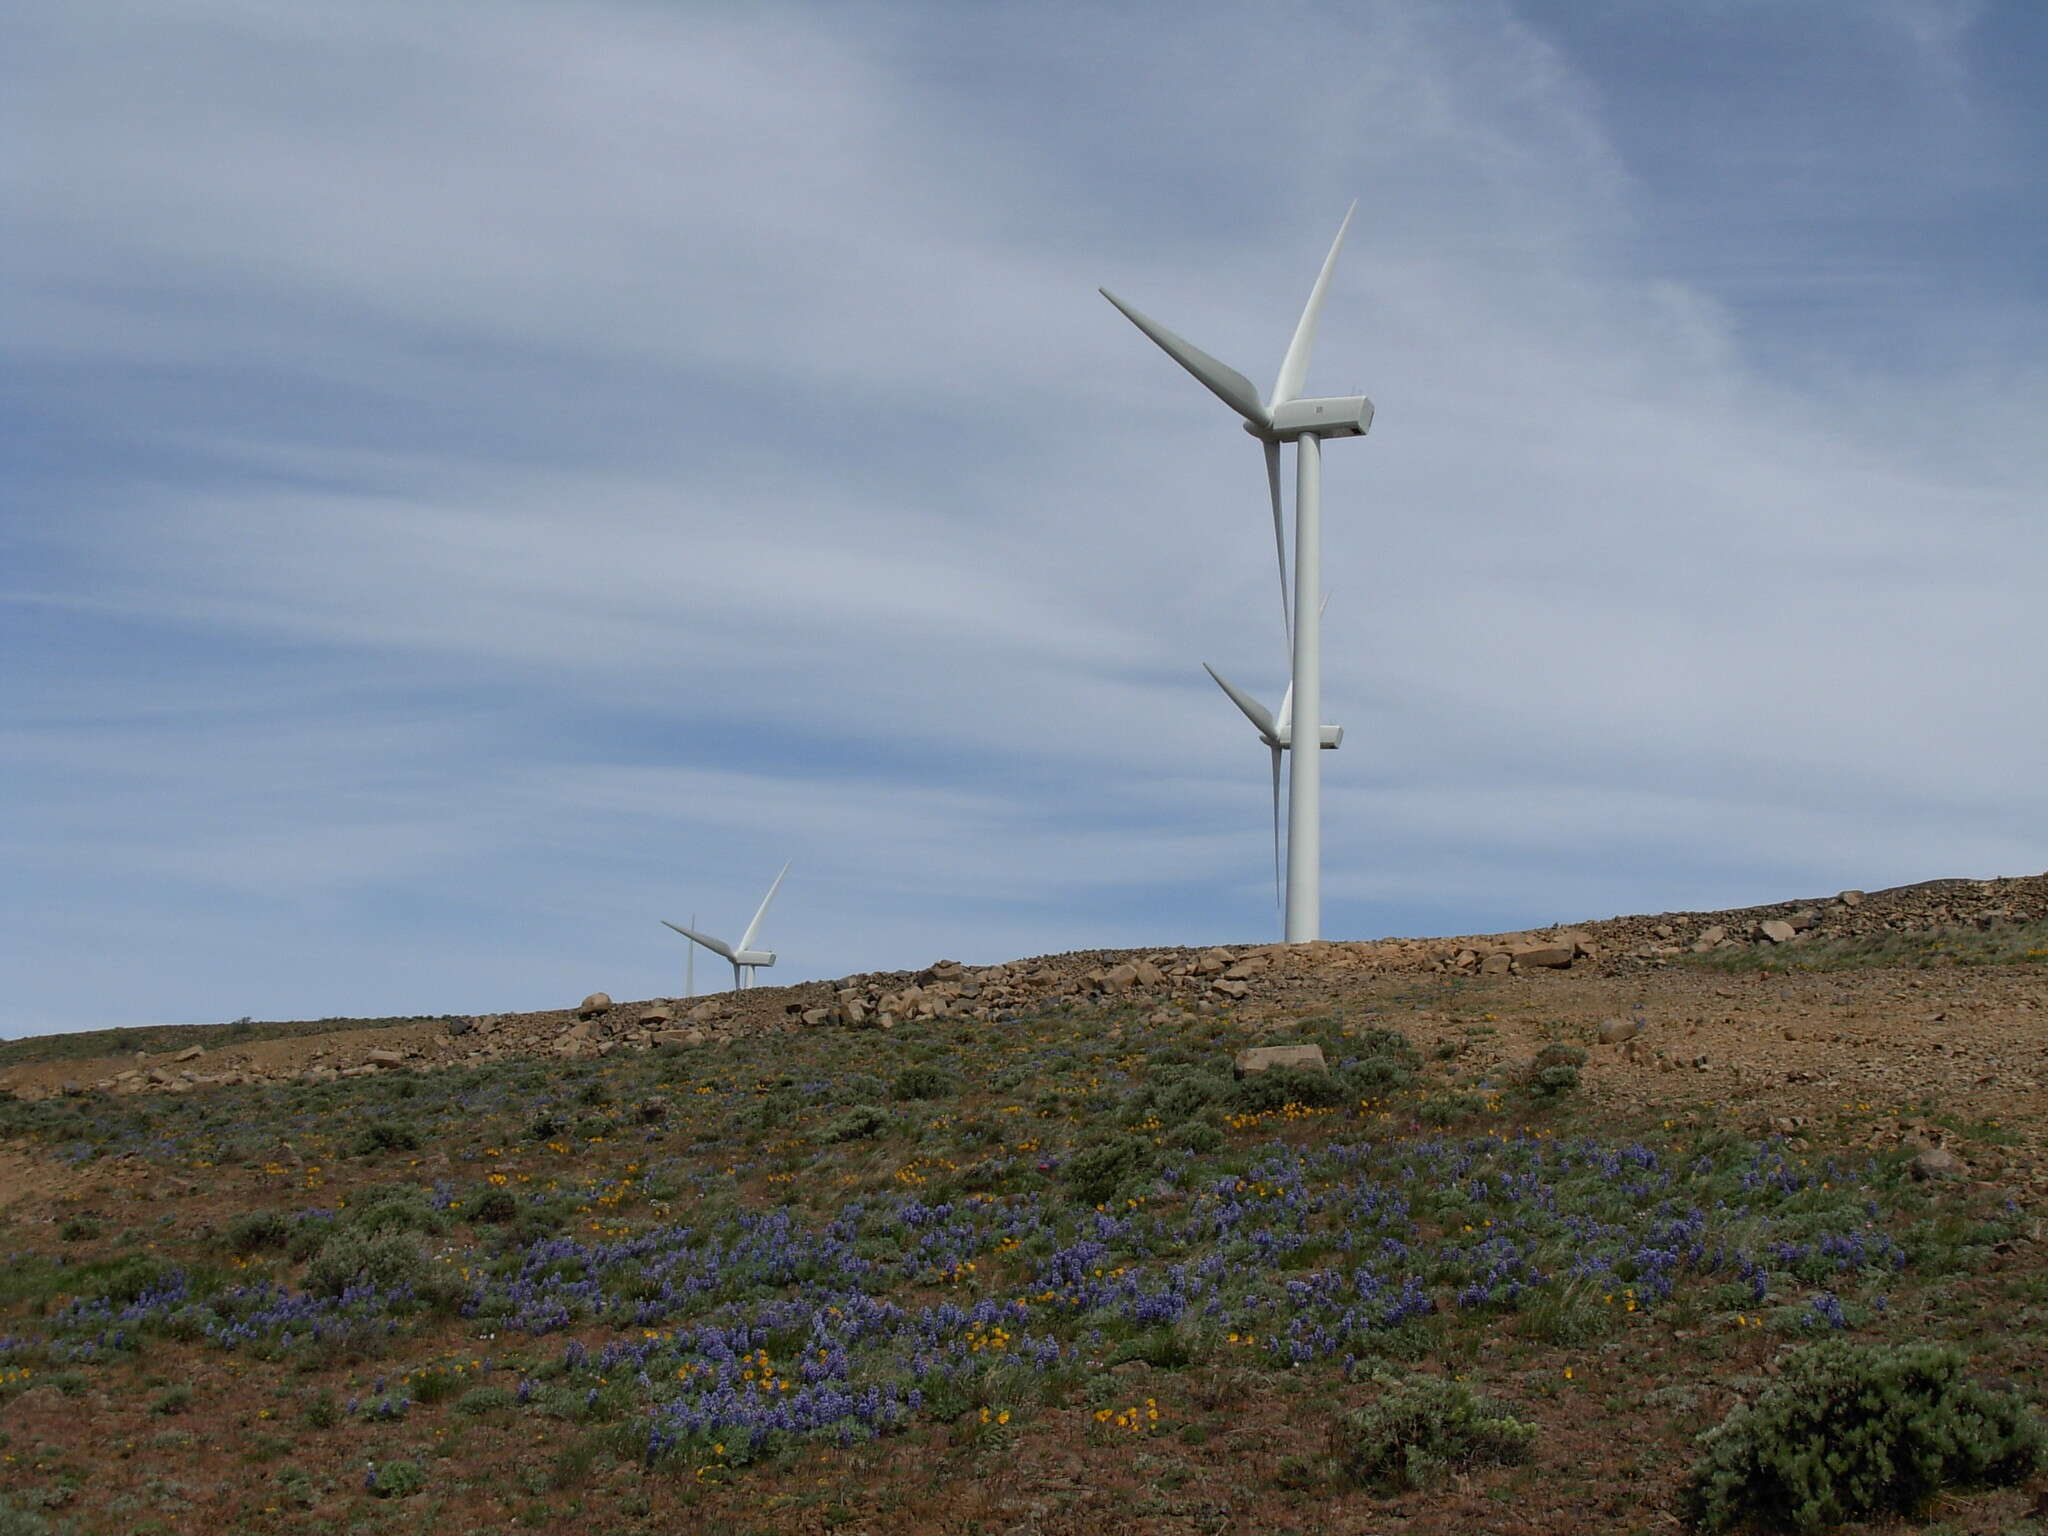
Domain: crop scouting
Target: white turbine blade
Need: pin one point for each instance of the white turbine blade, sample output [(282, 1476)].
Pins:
[(716, 946), (1254, 711), (1279, 886), (1294, 367), (1280, 539), (1221, 380), (1286, 727), (747, 938)]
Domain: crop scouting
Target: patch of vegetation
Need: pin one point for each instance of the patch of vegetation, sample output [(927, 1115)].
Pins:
[(1420, 1428), (1916, 949), (1854, 1429)]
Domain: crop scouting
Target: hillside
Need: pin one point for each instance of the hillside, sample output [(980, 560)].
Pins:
[(1018, 1248)]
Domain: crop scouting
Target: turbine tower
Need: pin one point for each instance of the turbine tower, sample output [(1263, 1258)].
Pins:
[(745, 959), (1287, 417)]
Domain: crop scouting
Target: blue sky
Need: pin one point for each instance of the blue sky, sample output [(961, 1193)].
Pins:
[(475, 481)]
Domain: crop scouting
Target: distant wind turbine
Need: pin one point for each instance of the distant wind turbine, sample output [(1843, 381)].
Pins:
[(1286, 417), (1277, 732), (745, 959)]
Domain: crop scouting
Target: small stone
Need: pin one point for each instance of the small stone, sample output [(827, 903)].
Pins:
[(1258, 1058), (1937, 1163), (593, 1005)]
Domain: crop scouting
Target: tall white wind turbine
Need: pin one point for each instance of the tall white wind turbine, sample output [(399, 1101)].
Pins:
[(1287, 417), (745, 959)]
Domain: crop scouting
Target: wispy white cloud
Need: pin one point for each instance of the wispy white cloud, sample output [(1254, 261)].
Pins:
[(486, 482)]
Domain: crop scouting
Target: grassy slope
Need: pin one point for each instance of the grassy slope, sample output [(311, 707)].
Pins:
[(930, 1279)]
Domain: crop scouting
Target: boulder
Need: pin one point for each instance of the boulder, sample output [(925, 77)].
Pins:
[(1804, 920), (384, 1058), (1777, 930), (1230, 988), (190, 1053), (1547, 956), (1495, 964), (1258, 1058), (593, 1005), (1937, 1163), (1119, 978), (655, 1016), (1850, 898), (1614, 1031)]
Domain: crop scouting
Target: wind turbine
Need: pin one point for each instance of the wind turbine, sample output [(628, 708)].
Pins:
[(1287, 417), (744, 957), (1277, 732)]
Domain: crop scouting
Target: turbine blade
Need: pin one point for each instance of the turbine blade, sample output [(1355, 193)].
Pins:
[(1286, 731), (747, 938), (1279, 900), (1294, 367), (1221, 380), (1254, 711), (716, 946), (1279, 539)]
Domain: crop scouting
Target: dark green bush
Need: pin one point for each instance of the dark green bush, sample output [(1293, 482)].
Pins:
[(1196, 1136), (862, 1120), (482, 1400), (1376, 1074), (495, 1205), (1279, 1086), (395, 1479), (1095, 1173), (256, 1231), (386, 1136), (1850, 1429), (1422, 1426), (920, 1083), (1189, 1095), (1554, 1071)]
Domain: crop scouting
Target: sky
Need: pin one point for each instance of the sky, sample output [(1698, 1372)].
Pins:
[(478, 480)]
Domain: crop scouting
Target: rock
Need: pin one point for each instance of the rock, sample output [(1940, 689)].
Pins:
[(1937, 1163), (1709, 938), (1776, 930), (814, 1017), (704, 1013), (1258, 1058), (1615, 1031), (593, 1005), (1149, 975), (1548, 956), (655, 1016), (190, 1053), (384, 1058), (1230, 988), (457, 1028), (1850, 898), (1118, 978), (1804, 920), (1495, 964)]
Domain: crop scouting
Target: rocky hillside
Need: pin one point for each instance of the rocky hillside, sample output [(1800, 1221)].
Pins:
[(1254, 979)]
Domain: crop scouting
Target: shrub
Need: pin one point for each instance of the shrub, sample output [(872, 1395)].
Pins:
[(256, 1231), (920, 1083), (1196, 1136), (1421, 1426), (495, 1205), (482, 1400), (79, 1229), (862, 1120), (1189, 1096), (171, 1400), (395, 1479), (349, 1258), (1096, 1173), (386, 1136), (1849, 1429), (1554, 1071), (1377, 1074), (1279, 1086)]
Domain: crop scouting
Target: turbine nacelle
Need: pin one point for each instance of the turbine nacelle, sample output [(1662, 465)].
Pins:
[(1340, 416)]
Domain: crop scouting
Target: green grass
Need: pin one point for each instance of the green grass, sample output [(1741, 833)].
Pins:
[(2003, 944)]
